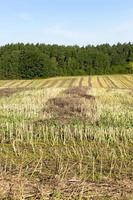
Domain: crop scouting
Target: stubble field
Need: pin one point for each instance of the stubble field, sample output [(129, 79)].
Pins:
[(67, 138)]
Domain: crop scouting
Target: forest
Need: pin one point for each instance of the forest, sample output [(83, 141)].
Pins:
[(30, 61)]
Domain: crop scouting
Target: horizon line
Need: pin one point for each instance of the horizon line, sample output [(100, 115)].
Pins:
[(66, 45)]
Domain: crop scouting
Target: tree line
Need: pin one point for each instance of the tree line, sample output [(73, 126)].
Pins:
[(28, 61)]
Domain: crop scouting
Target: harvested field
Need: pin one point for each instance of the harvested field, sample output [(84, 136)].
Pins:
[(67, 138), (7, 92), (112, 81), (11, 186)]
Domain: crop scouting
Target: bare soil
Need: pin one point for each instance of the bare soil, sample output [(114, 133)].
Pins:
[(73, 103), (16, 187)]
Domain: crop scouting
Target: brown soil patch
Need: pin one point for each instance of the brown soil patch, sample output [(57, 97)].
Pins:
[(7, 92), (78, 91), (16, 187), (74, 103)]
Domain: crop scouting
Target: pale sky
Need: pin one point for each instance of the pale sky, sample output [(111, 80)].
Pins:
[(67, 22)]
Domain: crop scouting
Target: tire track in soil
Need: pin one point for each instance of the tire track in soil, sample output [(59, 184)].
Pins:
[(113, 84), (43, 85), (89, 82), (80, 82), (110, 84), (107, 83), (62, 83), (99, 82), (125, 85), (71, 83), (9, 84), (130, 81), (29, 84), (53, 84), (19, 84)]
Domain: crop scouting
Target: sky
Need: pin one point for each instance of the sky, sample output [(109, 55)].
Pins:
[(66, 22)]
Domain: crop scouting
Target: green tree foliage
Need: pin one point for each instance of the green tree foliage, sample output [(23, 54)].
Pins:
[(32, 63), (19, 61), (9, 64)]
